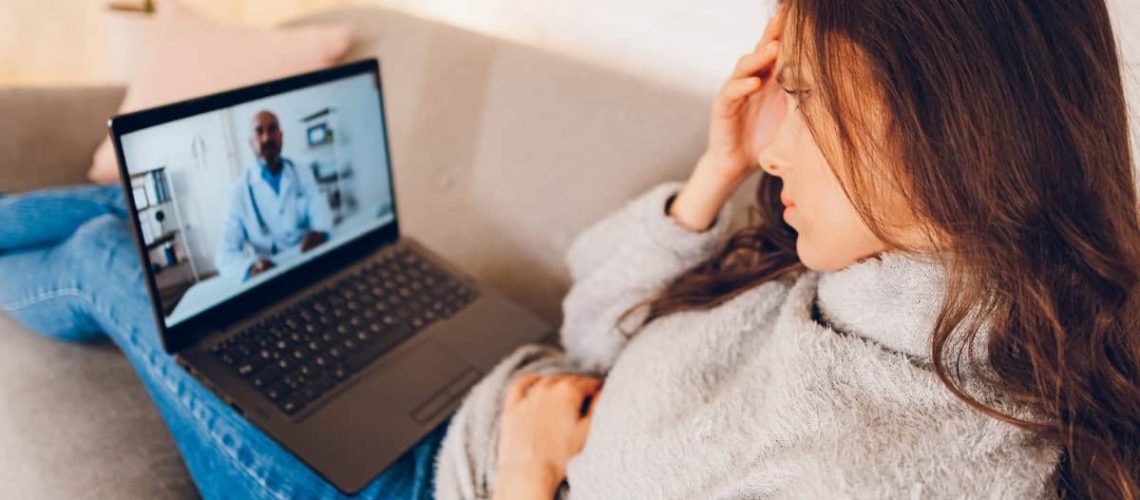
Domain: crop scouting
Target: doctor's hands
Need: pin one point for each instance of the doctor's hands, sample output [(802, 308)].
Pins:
[(542, 427), (260, 266), (744, 117), (312, 239)]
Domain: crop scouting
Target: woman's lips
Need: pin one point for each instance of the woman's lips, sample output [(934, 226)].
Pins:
[(788, 205)]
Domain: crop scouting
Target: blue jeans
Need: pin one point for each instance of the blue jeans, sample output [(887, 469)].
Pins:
[(70, 271)]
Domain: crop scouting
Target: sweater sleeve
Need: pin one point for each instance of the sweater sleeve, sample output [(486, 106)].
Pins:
[(620, 261)]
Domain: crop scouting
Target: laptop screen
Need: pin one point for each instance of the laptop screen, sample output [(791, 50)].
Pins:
[(228, 199)]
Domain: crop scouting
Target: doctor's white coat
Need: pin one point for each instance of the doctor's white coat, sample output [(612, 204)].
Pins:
[(262, 223)]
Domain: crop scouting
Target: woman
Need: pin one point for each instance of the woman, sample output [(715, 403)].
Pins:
[(946, 307)]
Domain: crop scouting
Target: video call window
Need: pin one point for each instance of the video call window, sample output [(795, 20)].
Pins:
[(231, 198)]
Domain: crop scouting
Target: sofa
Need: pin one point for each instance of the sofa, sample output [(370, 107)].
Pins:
[(501, 153)]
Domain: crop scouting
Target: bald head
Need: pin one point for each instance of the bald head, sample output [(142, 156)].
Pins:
[(266, 139)]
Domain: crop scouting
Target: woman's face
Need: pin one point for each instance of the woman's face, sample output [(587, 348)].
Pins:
[(832, 235)]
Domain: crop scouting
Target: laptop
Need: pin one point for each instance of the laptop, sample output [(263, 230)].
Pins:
[(265, 218)]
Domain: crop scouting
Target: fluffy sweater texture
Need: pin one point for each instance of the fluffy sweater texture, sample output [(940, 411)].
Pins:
[(753, 398)]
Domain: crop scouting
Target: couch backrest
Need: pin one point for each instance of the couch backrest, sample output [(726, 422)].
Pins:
[(49, 133), (502, 153)]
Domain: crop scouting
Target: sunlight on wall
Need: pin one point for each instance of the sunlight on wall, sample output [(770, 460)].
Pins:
[(679, 42), (682, 43), (66, 41)]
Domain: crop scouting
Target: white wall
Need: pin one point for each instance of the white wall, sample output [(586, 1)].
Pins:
[(690, 44), (1126, 15), (200, 176), (1126, 18)]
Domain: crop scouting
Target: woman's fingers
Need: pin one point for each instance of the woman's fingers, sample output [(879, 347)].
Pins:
[(755, 62), (572, 390), (734, 93), (586, 385), (520, 386), (543, 424), (576, 386), (743, 83)]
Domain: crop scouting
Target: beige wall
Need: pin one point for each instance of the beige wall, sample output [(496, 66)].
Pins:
[(685, 42), (691, 44), (688, 43), (680, 42), (66, 41)]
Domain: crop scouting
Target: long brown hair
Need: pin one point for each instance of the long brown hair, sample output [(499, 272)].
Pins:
[(1009, 117)]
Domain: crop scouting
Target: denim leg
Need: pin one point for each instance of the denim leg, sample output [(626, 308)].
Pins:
[(46, 290), (47, 216), (93, 282)]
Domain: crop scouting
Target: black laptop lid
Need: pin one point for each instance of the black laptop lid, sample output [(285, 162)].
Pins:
[(241, 198)]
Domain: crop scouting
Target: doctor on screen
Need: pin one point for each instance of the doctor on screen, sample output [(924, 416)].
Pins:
[(275, 205)]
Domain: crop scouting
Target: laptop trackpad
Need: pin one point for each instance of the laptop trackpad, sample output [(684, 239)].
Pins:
[(424, 381), (380, 417)]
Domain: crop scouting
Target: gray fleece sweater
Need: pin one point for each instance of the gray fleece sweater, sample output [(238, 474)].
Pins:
[(754, 398)]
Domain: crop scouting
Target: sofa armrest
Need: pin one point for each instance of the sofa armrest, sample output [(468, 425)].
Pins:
[(48, 134)]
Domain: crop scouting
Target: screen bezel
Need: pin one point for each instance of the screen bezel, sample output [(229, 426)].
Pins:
[(249, 302)]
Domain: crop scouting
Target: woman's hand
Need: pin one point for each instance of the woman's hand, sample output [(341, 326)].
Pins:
[(749, 107), (541, 429), (744, 118)]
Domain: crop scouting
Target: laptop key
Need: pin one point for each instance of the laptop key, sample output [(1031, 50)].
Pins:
[(290, 407), (278, 392), (265, 376), (381, 344)]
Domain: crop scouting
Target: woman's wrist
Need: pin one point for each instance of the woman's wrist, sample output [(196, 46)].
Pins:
[(526, 482), (705, 193)]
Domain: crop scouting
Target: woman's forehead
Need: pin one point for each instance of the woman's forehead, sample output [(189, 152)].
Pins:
[(789, 68), (789, 62)]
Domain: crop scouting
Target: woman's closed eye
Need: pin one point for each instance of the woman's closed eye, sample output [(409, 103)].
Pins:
[(797, 92), (797, 96)]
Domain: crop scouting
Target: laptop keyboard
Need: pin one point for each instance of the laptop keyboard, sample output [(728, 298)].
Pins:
[(307, 349)]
